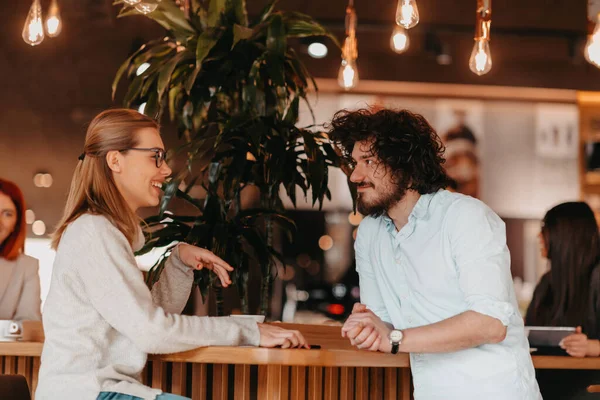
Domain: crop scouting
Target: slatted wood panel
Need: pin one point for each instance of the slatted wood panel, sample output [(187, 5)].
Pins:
[(331, 387), (298, 383), (179, 378), (346, 383), (275, 382), (199, 381), (220, 384), (242, 382)]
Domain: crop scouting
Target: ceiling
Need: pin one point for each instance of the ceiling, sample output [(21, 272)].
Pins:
[(535, 43)]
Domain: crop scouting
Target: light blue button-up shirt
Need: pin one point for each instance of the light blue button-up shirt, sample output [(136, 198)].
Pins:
[(449, 258)]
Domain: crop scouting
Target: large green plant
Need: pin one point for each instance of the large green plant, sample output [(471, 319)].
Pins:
[(233, 88)]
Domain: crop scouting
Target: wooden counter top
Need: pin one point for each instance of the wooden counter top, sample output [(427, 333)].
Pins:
[(335, 352)]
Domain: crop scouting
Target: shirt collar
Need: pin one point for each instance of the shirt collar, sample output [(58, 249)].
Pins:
[(419, 212)]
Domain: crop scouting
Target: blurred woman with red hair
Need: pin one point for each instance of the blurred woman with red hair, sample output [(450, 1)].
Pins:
[(19, 279)]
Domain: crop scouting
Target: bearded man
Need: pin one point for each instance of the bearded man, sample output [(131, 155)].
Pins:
[(434, 267)]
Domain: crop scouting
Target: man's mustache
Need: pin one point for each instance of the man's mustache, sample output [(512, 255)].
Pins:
[(364, 184)]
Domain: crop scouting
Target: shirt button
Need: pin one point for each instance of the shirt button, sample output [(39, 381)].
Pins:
[(398, 260)]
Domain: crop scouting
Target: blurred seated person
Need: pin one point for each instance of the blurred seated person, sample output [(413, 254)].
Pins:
[(19, 279), (569, 295)]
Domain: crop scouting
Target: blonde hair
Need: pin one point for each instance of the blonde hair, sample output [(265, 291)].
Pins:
[(93, 189)]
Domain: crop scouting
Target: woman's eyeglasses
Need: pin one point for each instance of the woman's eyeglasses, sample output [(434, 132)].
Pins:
[(159, 154)]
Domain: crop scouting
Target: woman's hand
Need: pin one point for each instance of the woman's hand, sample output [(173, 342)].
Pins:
[(272, 336), (198, 258), (576, 345)]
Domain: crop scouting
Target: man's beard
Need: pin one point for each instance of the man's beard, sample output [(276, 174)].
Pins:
[(384, 201)]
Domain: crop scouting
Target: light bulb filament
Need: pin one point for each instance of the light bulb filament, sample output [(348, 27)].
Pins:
[(407, 13), (33, 30), (481, 58), (348, 75)]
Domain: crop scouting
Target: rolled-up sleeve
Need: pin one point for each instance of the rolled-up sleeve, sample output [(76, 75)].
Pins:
[(370, 293), (482, 259)]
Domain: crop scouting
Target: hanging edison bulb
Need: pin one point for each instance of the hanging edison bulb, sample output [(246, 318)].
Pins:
[(592, 47), (348, 74), (53, 20), (146, 8), (399, 41), (481, 58), (33, 31), (407, 13)]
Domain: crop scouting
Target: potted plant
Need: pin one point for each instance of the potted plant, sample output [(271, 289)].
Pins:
[(233, 88)]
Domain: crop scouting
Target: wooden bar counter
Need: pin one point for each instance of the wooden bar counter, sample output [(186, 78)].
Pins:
[(336, 371)]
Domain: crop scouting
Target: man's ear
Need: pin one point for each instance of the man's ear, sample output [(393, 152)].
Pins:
[(113, 159)]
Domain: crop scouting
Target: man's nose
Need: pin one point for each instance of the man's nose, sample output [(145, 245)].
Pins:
[(356, 176)]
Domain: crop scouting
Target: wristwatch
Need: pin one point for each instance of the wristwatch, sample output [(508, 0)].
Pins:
[(396, 336)]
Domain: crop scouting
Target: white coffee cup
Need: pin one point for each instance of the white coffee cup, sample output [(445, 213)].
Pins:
[(10, 331)]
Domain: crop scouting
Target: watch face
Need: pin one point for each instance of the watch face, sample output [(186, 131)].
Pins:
[(396, 335)]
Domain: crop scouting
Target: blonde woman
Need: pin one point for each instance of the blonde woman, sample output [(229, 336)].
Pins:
[(100, 319)]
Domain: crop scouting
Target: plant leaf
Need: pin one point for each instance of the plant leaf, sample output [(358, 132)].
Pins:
[(123, 68), (306, 28), (164, 77), (276, 40), (206, 42), (169, 189), (152, 104), (239, 10), (191, 79), (291, 116), (266, 12), (134, 90), (240, 33), (173, 14), (215, 11)]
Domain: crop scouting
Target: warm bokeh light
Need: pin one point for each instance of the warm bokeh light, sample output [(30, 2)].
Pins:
[(325, 242), (38, 228)]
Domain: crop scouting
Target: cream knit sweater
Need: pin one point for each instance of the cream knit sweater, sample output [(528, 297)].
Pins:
[(101, 321)]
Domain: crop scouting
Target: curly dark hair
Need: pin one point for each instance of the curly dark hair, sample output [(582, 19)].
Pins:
[(403, 141)]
